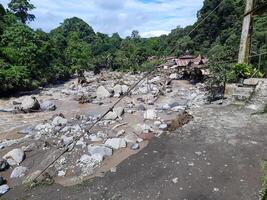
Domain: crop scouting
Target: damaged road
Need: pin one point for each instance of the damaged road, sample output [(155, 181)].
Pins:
[(200, 161)]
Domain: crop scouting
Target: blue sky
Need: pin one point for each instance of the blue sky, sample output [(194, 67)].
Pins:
[(149, 17)]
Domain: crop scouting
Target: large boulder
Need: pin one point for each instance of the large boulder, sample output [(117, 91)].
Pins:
[(14, 157), (18, 172), (48, 106), (102, 92), (29, 104)]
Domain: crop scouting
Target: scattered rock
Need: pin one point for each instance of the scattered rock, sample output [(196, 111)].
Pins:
[(116, 143), (150, 114), (59, 121), (119, 111), (61, 173), (14, 157), (18, 172), (133, 146), (163, 126), (48, 106), (102, 93), (90, 161), (174, 76), (26, 131), (111, 116), (113, 169), (130, 138), (178, 108), (3, 165), (142, 128), (141, 107), (4, 189)]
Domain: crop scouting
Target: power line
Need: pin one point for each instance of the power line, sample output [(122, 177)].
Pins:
[(206, 17)]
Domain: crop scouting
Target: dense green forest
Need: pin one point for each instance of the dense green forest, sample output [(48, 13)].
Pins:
[(31, 58)]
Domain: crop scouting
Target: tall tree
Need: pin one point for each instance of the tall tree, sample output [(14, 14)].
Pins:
[(21, 10)]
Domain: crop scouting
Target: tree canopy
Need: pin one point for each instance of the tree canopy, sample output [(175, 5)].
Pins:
[(31, 58)]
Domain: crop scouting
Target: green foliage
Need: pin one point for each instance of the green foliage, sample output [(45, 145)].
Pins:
[(21, 8), (243, 70), (263, 192), (30, 58)]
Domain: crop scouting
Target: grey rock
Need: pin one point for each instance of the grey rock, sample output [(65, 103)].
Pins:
[(4, 189), (130, 138), (18, 172), (59, 121), (111, 116), (48, 106), (119, 111), (98, 149), (102, 93), (150, 114), (116, 143), (141, 107), (133, 146), (14, 157), (26, 131)]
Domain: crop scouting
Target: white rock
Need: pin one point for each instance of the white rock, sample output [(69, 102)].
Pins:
[(102, 93), (4, 189), (124, 89), (142, 128), (88, 161), (111, 116), (61, 173), (117, 90), (174, 76), (57, 121), (157, 123), (120, 133), (14, 157), (119, 111), (163, 126), (116, 143), (18, 172), (150, 114), (95, 138), (178, 108), (81, 142), (66, 140)]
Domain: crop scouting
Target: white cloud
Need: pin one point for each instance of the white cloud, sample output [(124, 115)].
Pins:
[(150, 17), (154, 33)]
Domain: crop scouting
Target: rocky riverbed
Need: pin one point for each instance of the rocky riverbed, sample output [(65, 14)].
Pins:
[(59, 117)]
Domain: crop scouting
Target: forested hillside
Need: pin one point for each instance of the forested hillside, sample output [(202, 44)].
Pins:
[(31, 58)]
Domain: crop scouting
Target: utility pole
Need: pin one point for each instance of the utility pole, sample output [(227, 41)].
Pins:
[(245, 42)]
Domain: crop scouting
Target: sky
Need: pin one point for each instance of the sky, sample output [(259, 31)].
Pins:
[(149, 17)]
